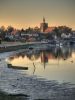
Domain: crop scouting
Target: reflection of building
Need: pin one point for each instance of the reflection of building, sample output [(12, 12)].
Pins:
[(44, 57), (56, 53), (43, 26)]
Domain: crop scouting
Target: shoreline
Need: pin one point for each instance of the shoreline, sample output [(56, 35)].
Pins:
[(13, 46), (17, 86)]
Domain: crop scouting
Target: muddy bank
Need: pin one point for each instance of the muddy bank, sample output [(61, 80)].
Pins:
[(6, 96), (16, 46), (17, 85), (55, 92), (12, 48)]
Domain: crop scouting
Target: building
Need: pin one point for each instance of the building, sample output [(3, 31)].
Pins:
[(43, 26), (49, 29)]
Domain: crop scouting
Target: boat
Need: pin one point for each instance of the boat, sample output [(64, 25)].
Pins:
[(17, 67)]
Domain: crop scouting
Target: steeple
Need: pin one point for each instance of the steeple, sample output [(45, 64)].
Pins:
[(43, 25)]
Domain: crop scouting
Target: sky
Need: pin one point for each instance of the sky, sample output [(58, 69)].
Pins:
[(29, 13)]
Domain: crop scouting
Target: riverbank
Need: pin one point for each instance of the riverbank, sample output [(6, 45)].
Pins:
[(16, 82), (6, 96), (12, 46)]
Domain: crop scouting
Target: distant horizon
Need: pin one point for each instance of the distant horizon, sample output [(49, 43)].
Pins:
[(28, 13), (34, 26)]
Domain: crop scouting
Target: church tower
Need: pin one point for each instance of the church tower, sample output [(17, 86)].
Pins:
[(43, 26)]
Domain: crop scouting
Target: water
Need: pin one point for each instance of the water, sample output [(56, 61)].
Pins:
[(53, 63)]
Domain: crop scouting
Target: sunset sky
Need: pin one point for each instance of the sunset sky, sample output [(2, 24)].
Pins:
[(25, 13)]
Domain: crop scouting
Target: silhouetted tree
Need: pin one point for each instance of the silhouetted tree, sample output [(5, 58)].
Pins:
[(2, 32), (10, 29), (62, 29)]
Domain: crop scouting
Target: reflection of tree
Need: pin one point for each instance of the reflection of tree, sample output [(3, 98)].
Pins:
[(11, 58), (23, 55), (52, 53), (57, 52), (63, 53), (20, 55), (33, 57), (66, 53)]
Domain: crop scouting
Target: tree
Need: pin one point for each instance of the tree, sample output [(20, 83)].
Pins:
[(2, 32), (2, 28), (62, 29), (57, 32), (10, 29)]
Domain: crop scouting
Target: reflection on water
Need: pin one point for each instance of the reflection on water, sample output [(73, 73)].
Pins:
[(53, 64)]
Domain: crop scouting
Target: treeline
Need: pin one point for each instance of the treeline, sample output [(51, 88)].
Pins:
[(56, 32)]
